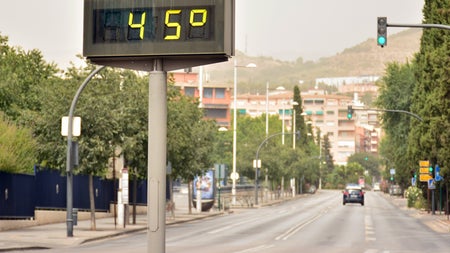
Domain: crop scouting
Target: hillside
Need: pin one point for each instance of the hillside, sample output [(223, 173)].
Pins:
[(365, 58)]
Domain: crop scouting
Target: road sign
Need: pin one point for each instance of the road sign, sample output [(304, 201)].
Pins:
[(392, 171), (413, 181), (438, 176), (234, 176), (424, 177), (424, 163), (424, 170), (257, 164), (431, 184)]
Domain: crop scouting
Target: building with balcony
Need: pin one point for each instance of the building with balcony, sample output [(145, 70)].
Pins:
[(214, 98), (326, 112)]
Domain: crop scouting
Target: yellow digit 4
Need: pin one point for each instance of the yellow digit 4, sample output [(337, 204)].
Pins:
[(137, 26), (204, 14), (175, 25)]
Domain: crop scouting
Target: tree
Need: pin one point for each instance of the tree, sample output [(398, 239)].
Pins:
[(368, 161), (299, 120), (396, 89), (22, 74), (431, 96), (17, 148)]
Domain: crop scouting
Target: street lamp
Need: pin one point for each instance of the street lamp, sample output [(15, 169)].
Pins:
[(281, 88), (234, 175), (294, 103)]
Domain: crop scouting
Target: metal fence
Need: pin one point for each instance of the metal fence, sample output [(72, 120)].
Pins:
[(21, 194)]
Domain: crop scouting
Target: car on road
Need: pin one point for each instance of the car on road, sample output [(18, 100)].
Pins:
[(353, 194), (376, 187)]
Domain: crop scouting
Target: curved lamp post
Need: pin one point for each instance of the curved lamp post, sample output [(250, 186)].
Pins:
[(257, 158)]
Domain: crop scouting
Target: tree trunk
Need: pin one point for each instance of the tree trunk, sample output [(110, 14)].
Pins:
[(92, 202)]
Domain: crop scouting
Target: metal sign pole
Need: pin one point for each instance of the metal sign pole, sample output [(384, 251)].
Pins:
[(157, 142)]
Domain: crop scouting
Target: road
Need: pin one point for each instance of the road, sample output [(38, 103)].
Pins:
[(315, 223)]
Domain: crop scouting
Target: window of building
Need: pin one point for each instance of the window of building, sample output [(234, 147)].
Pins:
[(330, 112), (308, 102), (319, 101), (346, 144), (319, 112), (189, 91), (220, 92), (331, 102), (207, 92), (216, 113)]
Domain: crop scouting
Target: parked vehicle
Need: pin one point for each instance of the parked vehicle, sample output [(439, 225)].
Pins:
[(376, 187), (395, 190)]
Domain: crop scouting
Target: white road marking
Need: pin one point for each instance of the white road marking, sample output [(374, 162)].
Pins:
[(256, 249)]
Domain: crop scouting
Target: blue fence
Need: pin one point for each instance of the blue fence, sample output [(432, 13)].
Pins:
[(17, 195), (20, 194)]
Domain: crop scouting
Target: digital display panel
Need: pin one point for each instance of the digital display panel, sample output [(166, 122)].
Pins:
[(140, 24), (158, 29)]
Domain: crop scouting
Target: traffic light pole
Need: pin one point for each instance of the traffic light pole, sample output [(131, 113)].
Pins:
[(439, 26), (389, 110), (382, 26)]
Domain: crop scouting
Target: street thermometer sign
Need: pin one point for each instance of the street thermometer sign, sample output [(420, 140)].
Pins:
[(185, 33)]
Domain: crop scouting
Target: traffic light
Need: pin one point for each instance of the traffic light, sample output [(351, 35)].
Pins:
[(349, 112), (430, 171), (382, 31)]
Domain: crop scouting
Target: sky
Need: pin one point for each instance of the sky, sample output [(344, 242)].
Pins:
[(282, 29)]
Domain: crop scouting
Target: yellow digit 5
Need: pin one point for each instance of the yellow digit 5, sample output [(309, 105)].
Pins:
[(137, 26), (175, 25), (204, 14)]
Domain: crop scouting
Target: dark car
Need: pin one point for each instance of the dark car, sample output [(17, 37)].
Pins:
[(353, 194)]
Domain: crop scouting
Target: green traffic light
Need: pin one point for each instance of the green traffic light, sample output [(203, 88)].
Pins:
[(381, 40), (430, 169), (349, 116)]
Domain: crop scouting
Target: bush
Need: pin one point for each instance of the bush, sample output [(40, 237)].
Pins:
[(414, 197)]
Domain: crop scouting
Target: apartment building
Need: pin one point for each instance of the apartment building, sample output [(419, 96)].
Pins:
[(214, 98), (326, 112)]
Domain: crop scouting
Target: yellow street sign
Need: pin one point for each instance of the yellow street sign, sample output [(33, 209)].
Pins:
[(424, 177), (424, 170), (424, 164)]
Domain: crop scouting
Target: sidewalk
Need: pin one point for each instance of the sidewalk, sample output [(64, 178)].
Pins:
[(439, 222), (55, 235)]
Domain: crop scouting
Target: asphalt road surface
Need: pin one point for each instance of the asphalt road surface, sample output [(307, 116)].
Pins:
[(315, 223)]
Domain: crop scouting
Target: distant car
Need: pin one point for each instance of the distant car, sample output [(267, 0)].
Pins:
[(395, 190), (376, 187), (353, 194)]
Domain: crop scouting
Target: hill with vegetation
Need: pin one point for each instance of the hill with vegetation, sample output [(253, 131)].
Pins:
[(363, 59)]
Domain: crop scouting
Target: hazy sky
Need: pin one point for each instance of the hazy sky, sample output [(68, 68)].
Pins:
[(283, 29)]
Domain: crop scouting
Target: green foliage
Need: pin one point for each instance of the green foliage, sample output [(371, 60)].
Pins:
[(17, 148), (431, 97), (22, 73), (396, 93), (415, 197), (368, 161)]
